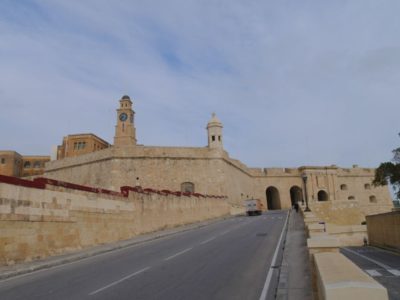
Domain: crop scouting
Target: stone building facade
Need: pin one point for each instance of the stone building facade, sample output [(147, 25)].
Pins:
[(79, 144), (14, 164), (210, 170)]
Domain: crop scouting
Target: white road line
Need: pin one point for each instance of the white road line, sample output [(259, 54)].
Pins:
[(118, 281), (176, 254), (394, 272), (269, 275), (373, 273), (207, 241), (225, 232), (386, 267)]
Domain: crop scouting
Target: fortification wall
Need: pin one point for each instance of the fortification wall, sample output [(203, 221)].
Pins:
[(384, 230), (38, 219)]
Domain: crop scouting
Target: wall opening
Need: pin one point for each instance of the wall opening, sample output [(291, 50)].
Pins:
[(322, 195), (187, 187), (367, 186), (351, 198), (372, 199), (296, 195), (273, 199), (343, 187)]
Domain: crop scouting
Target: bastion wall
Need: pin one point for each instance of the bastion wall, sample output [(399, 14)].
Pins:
[(42, 218), (350, 195)]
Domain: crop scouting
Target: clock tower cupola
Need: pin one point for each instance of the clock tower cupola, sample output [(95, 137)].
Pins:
[(125, 132)]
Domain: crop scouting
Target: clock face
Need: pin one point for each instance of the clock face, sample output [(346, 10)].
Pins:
[(123, 117)]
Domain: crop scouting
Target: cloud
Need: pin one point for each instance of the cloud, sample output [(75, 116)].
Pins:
[(293, 82)]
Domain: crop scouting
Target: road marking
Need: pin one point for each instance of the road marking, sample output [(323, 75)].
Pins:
[(373, 273), (206, 241), (386, 267), (269, 275), (176, 254), (394, 272), (225, 232), (118, 281)]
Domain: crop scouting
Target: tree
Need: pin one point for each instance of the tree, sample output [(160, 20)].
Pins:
[(389, 172)]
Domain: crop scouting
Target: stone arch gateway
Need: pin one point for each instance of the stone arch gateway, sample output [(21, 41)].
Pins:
[(273, 198), (296, 195)]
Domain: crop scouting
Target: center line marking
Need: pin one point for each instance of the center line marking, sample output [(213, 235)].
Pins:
[(206, 241), (119, 281), (224, 232), (179, 253)]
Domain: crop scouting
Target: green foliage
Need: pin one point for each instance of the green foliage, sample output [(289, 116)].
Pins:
[(389, 172)]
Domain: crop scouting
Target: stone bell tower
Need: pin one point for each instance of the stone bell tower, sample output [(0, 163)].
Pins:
[(214, 130), (125, 132)]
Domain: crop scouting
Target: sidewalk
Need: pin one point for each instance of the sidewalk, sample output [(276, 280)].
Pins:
[(295, 275), (52, 261)]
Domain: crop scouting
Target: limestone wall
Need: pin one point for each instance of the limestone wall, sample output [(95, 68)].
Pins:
[(384, 230), (46, 220)]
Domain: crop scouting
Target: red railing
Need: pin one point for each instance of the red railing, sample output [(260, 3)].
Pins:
[(41, 182)]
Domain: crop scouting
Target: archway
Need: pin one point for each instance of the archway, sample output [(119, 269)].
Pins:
[(296, 194), (273, 199), (322, 195)]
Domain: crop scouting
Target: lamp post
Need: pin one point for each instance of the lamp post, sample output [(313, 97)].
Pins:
[(304, 177)]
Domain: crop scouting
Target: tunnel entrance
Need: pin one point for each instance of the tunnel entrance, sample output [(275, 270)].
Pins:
[(273, 199), (296, 195)]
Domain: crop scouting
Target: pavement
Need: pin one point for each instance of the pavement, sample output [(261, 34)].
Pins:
[(228, 259), (295, 274)]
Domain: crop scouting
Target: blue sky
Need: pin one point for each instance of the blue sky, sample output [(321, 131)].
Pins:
[(294, 82)]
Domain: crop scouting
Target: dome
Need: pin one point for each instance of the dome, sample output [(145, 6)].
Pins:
[(125, 97), (214, 119)]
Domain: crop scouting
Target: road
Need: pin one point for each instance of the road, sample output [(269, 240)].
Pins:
[(383, 266), (229, 259)]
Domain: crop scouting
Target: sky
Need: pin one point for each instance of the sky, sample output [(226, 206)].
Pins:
[(294, 82)]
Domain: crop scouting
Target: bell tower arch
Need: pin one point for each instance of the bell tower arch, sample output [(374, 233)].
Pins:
[(125, 132)]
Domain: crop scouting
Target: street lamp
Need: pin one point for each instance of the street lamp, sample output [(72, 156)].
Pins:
[(304, 177)]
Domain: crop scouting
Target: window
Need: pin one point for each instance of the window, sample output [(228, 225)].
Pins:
[(351, 198), (79, 145), (219, 138), (213, 138), (372, 199), (3, 161), (36, 164), (343, 187), (367, 186), (27, 164), (322, 195), (187, 187)]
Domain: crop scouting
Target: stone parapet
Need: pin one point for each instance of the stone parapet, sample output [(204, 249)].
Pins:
[(338, 278)]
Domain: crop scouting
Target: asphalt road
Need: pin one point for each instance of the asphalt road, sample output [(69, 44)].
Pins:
[(225, 260), (383, 266)]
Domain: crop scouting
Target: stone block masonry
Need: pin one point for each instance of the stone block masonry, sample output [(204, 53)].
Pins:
[(46, 217)]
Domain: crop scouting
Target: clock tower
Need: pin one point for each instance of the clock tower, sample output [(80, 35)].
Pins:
[(125, 132)]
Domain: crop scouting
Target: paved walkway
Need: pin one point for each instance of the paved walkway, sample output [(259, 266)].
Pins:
[(295, 275)]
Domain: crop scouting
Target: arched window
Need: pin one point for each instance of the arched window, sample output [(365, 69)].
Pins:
[(372, 199), (367, 186), (343, 187), (322, 195), (187, 187), (36, 164), (27, 164), (351, 198)]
